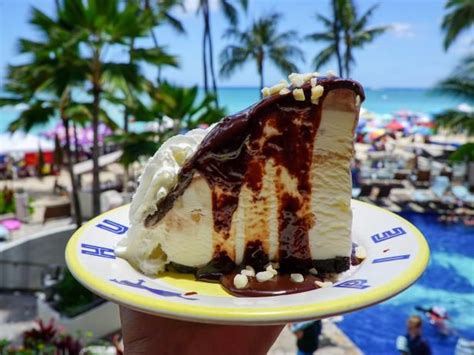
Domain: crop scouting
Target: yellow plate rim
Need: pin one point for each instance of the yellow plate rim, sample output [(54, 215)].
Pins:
[(255, 315)]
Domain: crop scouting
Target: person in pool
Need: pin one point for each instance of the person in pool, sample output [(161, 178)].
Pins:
[(413, 343)]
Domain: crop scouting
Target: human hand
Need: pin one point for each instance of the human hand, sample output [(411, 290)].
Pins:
[(146, 334)]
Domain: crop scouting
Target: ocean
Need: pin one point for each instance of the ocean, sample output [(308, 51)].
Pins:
[(380, 101)]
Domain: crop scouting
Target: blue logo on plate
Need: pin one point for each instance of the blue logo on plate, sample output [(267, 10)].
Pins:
[(112, 227), (356, 283), (392, 233)]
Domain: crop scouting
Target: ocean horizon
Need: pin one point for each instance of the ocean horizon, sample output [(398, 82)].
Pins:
[(378, 100)]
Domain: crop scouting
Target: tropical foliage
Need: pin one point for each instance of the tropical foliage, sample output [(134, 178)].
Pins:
[(261, 43), (344, 32), (170, 109), (458, 19)]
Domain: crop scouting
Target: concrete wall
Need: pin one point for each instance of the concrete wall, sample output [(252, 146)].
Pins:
[(23, 262)]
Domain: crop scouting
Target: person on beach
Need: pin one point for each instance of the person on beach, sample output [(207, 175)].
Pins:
[(307, 336), (413, 343)]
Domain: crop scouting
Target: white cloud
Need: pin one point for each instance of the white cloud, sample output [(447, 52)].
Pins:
[(402, 30)]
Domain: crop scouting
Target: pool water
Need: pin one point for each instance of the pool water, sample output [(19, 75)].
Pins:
[(448, 282)]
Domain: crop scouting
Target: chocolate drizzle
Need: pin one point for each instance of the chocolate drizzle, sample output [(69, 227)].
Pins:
[(234, 155)]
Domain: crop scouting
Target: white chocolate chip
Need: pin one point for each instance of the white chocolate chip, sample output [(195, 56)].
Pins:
[(316, 74), (297, 278), (331, 74), (360, 253), (265, 92), (323, 284), (240, 281), (248, 273), (298, 94), (313, 271), (284, 91), (297, 80), (277, 88), (283, 81), (314, 81), (263, 276), (307, 76), (316, 93), (250, 268), (357, 100), (271, 269)]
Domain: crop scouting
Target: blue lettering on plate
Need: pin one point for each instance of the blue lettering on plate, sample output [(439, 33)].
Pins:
[(392, 233), (356, 283), (390, 258), (96, 250), (112, 227), (141, 285)]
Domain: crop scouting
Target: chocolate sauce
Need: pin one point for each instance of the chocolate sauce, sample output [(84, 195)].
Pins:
[(221, 264), (279, 285), (233, 155)]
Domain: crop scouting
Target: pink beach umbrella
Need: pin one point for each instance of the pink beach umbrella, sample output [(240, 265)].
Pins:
[(395, 126)]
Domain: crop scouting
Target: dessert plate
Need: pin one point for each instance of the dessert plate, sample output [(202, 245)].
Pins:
[(397, 254)]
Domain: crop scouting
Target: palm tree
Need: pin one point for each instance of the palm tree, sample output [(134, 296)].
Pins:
[(356, 33), (230, 12), (44, 84), (344, 32), (161, 12), (459, 84), (459, 18), (331, 35), (261, 42), (99, 26)]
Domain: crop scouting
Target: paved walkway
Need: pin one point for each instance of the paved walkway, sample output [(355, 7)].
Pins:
[(17, 314), (331, 342)]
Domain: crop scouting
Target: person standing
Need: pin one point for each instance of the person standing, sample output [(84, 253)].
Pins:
[(307, 336), (413, 343)]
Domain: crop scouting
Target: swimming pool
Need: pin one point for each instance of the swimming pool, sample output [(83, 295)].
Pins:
[(448, 282)]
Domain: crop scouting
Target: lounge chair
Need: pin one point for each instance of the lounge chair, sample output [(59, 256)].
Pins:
[(440, 186), (422, 179), (57, 211), (462, 193)]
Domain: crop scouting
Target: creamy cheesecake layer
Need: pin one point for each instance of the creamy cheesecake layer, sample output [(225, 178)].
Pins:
[(186, 234)]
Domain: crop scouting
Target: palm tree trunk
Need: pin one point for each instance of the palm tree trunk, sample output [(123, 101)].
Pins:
[(76, 142), (96, 89), (211, 56), (337, 41), (75, 196), (204, 45), (260, 71), (347, 54), (155, 42)]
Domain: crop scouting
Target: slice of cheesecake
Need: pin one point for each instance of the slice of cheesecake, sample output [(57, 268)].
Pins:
[(268, 184)]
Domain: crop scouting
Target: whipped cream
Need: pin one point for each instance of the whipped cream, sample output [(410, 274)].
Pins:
[(161, 172)]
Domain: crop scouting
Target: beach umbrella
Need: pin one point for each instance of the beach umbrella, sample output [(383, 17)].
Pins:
[(377, 133), (395, 126)]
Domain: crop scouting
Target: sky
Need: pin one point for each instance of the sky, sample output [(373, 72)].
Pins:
[(410, 55)]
